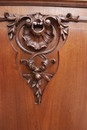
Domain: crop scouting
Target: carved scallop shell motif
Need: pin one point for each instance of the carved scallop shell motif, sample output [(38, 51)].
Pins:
[(38, 33)]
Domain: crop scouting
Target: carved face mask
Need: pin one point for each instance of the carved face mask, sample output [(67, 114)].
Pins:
[(38, 32)]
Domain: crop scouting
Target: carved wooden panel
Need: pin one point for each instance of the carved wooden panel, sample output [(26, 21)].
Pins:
[(39, 35), (31, 41)]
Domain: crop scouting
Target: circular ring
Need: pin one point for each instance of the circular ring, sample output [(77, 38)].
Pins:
[(53, 24)]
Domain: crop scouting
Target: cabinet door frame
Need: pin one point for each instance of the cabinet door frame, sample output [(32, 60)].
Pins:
[(74, 4)]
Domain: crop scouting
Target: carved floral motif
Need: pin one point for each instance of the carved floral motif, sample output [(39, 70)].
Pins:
[(38, 35)]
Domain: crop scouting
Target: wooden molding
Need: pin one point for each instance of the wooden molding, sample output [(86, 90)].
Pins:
[(74, 4)]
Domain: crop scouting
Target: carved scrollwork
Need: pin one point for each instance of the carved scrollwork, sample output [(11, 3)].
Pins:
[(38, 36)]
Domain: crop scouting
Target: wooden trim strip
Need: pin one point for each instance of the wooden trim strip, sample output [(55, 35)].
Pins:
[(79, 4)]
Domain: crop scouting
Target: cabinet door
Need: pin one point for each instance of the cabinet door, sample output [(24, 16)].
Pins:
[(64, 101)]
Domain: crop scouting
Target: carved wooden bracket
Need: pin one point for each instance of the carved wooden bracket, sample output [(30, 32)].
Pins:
[(38, 36)]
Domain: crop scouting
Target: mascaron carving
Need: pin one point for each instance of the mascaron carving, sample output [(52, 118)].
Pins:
[(38, 36)]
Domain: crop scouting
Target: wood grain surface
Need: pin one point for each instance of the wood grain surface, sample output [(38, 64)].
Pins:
[(51, 0), (64, 103), (73, 4)]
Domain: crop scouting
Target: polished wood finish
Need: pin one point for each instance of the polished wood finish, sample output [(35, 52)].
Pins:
[(74, 4), (50, 0), (64, 104)]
